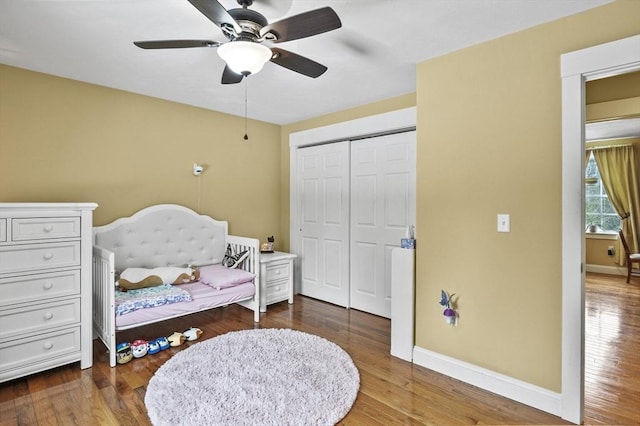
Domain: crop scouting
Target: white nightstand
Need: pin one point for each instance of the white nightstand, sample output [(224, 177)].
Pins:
[(276, 278)]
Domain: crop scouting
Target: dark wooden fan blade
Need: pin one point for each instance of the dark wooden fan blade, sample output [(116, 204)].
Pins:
[(297, 63), (306, 24), (230, 77), (175, 44), (216, 14)]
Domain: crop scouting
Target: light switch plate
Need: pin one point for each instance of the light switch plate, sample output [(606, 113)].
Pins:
[(504, 223)]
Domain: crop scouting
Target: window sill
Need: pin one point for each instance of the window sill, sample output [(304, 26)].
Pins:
[(601, 235)]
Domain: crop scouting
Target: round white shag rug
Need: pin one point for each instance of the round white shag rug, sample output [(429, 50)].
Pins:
[(255, 377)]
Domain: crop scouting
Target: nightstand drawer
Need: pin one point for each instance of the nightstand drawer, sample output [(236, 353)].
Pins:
[(3, 230), (278, 271), (39, 228), (277, 290), (39, 287), (41, 348), (30, 257), (27, 320)]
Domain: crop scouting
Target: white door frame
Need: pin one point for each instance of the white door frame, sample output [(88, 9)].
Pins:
[(605, 60), (399, 120)]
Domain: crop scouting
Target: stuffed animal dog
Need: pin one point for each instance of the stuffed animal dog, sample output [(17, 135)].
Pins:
[(134, 278)]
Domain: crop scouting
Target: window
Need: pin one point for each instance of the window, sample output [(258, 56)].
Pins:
[(598, 209)]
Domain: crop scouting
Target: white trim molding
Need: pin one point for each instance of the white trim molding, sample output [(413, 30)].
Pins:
[(611, 270), (517, 390), (605, 60), (387, 122)]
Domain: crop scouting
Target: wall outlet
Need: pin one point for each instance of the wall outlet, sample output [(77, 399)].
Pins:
[(611, 251)]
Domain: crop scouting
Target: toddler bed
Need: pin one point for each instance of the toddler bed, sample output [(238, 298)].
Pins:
[(162, 236)]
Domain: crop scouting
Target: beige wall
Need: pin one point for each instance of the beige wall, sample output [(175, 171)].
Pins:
[(613, 88), (63, 140), (489, 142), (596, 252)]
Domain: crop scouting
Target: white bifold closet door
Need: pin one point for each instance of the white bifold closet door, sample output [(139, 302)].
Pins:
[(382, 206), (323, 172), (356, 199)]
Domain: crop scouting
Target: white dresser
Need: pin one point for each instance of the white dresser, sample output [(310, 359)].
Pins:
[(45, 286), (276, 278)]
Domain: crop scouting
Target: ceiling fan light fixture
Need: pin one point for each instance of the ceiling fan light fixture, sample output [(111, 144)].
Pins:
[(244, 57)]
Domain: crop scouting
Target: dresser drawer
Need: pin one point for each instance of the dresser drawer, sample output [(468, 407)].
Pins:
[(40, 228), (278, 271), (27, 320), (30, 257), (39, 287), (277, 290), (3, 230), (41, 348)]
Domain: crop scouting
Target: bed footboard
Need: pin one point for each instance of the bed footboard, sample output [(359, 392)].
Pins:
[(104, 326), (252, 264)]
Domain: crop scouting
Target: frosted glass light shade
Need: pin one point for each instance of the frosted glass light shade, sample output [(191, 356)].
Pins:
[(244, 57)]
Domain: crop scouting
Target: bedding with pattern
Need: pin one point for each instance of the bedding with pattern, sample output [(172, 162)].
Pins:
[(149, 297)]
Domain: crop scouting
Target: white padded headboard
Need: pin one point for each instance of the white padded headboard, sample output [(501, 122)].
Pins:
[(163, 235)]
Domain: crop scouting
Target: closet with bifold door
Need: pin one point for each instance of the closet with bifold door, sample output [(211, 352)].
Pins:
[(354, 201)]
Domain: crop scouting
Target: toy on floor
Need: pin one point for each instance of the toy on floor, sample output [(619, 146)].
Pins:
[(123, 353), (163, 343), (154, 347), (139, 348), (176, 339), (192, 333)]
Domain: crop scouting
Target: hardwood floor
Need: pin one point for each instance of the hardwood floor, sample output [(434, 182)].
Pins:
[(612, 363), (392, 391)]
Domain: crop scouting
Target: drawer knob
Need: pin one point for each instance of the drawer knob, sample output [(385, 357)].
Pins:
[(277, 272), (48, 228), (48, 255), (48, 316), (48, 285), (48, 345)]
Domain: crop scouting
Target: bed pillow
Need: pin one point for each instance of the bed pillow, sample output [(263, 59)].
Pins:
[(135, 278), (218, 276), (233, 261)]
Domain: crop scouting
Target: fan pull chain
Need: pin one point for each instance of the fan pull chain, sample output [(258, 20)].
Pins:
[(246, 136)]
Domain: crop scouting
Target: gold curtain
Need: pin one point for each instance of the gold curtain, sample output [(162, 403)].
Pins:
[(617, 166)]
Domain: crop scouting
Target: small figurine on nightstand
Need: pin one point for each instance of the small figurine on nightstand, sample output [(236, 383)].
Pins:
[(268, 246)]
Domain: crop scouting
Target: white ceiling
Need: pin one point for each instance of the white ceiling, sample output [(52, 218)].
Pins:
[(372, 57)]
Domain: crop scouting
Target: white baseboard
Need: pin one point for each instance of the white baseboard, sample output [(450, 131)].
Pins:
[(526, 393), (611, 270)]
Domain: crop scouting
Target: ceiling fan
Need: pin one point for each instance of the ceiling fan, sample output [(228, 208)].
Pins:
[(247, 29)]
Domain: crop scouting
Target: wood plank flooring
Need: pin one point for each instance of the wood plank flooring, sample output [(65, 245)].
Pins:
[(392, 391), (612, 348)]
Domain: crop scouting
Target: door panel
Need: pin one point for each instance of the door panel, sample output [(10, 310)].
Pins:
[(364, 256), (382, 206), (324, 225)]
